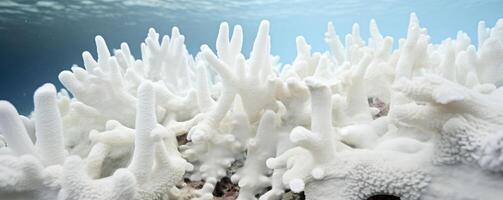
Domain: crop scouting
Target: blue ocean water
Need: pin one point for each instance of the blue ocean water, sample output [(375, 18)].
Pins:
[(40, 38)]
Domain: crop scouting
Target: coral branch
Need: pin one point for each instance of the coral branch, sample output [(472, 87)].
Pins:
[(49, 130)]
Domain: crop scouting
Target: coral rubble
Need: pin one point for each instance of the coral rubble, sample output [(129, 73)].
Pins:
[(364, 119)]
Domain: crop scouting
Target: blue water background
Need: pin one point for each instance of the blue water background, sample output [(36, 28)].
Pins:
[(38, 39)]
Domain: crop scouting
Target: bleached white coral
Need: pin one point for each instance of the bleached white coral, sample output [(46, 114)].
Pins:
[(316, 148), (253, 176), (78, 186), (491, 150), (310, 126), (37, 169)]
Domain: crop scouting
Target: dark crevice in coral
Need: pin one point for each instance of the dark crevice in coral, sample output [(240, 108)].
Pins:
[(226, 189), (235, 166), (302, 196), (379, 104), (293, 196), (194, 184), (182, 139)]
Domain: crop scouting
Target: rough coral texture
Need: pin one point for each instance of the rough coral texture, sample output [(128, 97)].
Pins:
[(363, 120), (366, 180), (491, 153)]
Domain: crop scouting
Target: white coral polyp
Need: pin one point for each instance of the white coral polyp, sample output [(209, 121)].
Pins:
[(432, 129)]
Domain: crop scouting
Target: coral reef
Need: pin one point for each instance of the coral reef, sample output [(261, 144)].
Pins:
[(361, 121)]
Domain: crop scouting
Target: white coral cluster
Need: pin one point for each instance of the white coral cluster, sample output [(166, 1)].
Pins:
[(307, 126)]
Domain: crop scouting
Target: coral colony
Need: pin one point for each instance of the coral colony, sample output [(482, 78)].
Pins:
[(422, 121)]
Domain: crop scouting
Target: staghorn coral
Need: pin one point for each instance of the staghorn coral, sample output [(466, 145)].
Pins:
[(32, 170), (315, 148), (421, 121), (253, 176)]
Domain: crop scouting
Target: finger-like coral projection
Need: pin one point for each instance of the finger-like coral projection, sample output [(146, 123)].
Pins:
[(32, 170), (253, 176), (421, 121), (315, 148)]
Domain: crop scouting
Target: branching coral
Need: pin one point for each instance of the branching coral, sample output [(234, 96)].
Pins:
[(77, 185), (38, 168), (253, 177), (316, 148), (306, 126)]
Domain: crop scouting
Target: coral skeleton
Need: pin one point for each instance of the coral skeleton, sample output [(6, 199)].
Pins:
[(421, 121)]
